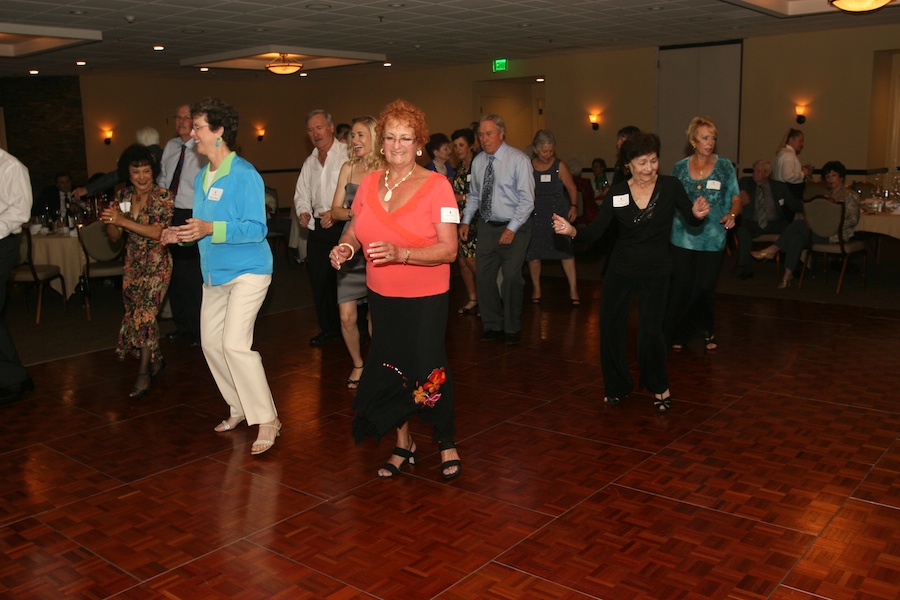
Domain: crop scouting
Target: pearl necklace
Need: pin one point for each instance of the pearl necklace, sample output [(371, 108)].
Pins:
[(390, 190)]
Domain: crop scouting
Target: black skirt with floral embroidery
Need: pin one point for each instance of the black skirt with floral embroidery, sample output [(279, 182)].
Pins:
[(406, 370)]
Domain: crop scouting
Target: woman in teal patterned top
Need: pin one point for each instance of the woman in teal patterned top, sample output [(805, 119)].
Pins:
[(697, 250)]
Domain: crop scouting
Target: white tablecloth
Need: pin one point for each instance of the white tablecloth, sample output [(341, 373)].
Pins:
[(62, 251)]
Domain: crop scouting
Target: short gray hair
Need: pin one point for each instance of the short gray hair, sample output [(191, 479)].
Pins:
[(543, 136), (764, 163), (496, 120), (320, 111)]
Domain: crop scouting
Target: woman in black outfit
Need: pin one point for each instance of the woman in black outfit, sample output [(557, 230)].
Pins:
[(640, 263)]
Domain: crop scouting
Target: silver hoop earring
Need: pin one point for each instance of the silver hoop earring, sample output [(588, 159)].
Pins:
[(418, 152)]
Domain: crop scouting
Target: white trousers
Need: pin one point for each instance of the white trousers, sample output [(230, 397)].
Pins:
[(227, 318)]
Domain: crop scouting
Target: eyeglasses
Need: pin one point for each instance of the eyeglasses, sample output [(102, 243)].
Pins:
[(405, 140), (196, 127)]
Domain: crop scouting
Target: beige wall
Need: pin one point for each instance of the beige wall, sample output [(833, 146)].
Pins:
[(831, 72)]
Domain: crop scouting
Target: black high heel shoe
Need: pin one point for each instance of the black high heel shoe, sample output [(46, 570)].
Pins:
[(156, 369), (137, 393), (449, 464), (408, 455), (662, 404)]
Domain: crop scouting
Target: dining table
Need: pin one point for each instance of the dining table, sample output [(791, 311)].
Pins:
[(884, 223), (63, 250)]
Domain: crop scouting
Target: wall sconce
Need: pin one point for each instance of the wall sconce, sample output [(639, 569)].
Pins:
[(260, 133), (593, 118), (801, 117), (107, 136)]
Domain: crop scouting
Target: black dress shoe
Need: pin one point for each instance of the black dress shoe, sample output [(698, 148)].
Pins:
[(321, 339), (490, 335), (745, 273), (513, 339)]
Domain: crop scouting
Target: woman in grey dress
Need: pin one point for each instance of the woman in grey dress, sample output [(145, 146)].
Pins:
[(554, 193), (351, 279)]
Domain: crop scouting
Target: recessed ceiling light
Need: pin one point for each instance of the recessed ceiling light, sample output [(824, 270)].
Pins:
[(539, 79), (76, 12), (259, 29), (33, 72), (655, 8), (304, 74), (524, 24), (204, 69), (387, 63), (80, 63), (159, 48), (318, 6), (396, 5)]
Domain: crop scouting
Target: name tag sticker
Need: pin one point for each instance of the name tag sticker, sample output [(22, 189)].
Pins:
[(545, 178), (449, 214), (781, 202), (620, 201), (469, 177), (215, 194), (712, 184)]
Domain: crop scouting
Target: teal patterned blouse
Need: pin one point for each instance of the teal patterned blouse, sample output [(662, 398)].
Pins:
[(718, 188)]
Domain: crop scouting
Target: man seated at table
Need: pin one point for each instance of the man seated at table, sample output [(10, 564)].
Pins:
[(768, 208), (56, 199)]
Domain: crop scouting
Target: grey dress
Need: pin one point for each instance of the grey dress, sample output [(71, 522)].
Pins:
[(351, 279)]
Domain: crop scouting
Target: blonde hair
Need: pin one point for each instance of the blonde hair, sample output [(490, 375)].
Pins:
[(372, 161), (697, 123)]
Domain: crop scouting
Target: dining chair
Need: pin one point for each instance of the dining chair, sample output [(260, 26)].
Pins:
[(32, 275), (275, 238), (102, 258), (813, 189), (825, 218)]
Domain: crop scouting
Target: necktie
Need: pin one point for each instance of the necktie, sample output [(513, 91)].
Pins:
[(762, 210), (176, 176), (487, 191)]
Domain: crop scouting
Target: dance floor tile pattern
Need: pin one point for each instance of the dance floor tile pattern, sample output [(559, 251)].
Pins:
[(775, 475)]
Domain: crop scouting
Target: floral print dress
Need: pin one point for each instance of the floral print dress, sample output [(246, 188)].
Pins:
[(460, 182), (148, 269)]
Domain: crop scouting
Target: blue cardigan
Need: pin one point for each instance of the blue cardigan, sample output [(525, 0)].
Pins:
[(235, 204)]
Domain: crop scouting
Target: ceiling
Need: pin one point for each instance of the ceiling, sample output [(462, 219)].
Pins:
[(412, 34)]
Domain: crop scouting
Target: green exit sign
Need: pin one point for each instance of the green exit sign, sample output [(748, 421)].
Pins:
[(500, 64)]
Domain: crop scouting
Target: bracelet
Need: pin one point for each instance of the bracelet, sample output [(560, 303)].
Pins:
[(406, 259), (352, 250), (573, 205)]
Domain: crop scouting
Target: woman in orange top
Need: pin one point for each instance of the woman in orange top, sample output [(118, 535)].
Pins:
[(404, 223)]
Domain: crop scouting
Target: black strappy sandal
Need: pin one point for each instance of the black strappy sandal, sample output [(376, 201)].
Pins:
[(449, 464), (662, 404), (408, 455)]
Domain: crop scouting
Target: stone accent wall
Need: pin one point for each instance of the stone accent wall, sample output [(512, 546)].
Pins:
[(45, 126)]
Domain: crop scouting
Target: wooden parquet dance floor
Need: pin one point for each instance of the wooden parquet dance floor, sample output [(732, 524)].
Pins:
[(774, 476)]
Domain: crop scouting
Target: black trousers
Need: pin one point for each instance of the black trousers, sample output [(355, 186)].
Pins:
[(615, 306), (323, 277), (692, 298), (186, 286), (11, 369)]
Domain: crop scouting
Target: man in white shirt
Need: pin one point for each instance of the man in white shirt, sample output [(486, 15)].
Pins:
[(179, 167), (15, 209), (312, 201), (787, 168)]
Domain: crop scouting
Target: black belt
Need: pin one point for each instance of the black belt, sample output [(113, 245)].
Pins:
[(497, 223)]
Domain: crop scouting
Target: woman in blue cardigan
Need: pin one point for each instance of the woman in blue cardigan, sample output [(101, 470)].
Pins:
[(229, 227)]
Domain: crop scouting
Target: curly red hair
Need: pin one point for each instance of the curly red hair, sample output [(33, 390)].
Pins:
[(405, 113)]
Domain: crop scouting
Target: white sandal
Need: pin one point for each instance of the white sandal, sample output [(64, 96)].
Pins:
[(226, 426), (260, 446)]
